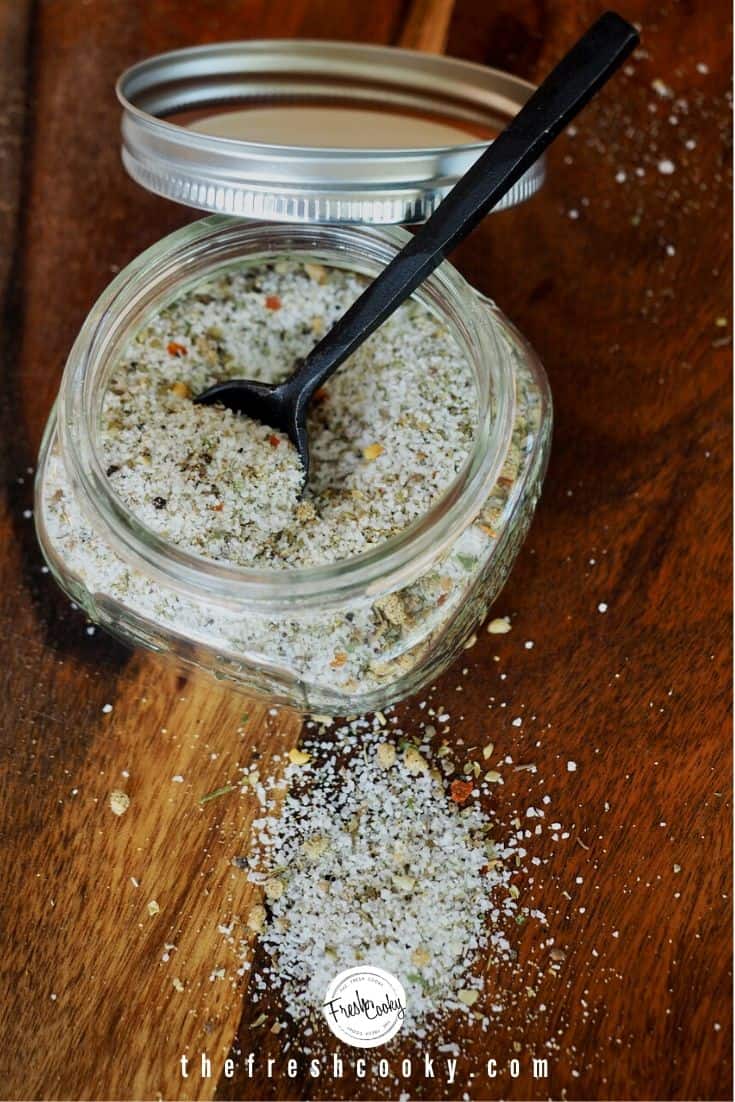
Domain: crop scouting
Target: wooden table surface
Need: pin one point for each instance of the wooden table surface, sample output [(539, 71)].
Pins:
[(619, 275)]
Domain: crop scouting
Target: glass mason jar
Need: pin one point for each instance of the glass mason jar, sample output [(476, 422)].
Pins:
[(342, 638)]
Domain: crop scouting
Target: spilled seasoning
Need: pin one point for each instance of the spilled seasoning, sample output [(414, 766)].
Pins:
[(379, 854)]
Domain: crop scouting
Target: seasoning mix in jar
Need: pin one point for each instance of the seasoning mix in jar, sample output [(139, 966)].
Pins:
[(182, 527)]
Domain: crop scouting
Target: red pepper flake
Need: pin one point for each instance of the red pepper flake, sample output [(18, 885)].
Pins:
[(274, 441), (460, 791), (218, 507), (175, 349), (273, 302), (320, 395)]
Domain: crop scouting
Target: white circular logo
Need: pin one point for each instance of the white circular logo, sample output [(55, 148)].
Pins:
[(365, 1006)]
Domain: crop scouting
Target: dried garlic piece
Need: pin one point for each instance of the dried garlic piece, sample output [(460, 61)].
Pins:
[(119, 802)]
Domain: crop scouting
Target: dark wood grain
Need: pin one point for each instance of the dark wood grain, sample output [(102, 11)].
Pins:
[(620, 276)]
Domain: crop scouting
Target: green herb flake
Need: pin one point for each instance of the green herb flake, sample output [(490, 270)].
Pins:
[(223, 791)]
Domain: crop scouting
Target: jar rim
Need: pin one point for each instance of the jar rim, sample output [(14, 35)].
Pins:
[(180, 260)]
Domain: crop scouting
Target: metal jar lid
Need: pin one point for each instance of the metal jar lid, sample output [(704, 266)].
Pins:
[(189, 118)]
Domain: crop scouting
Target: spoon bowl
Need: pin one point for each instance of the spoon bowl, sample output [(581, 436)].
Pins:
[(271, 404)]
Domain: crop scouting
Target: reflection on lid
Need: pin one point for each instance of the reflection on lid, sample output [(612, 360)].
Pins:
[(332, 128)]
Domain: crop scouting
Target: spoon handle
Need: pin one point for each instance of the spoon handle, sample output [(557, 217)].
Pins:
[(577, 77)]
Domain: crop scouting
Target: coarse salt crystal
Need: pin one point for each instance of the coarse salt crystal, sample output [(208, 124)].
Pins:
[(662, 89)]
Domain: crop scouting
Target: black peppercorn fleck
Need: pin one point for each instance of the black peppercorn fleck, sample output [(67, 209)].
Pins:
[(159, 502), (112, 469)]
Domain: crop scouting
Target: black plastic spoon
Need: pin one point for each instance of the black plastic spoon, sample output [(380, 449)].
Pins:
[(577, 77)]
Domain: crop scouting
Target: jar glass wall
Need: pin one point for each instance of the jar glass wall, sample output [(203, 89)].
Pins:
[(341, 638)]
